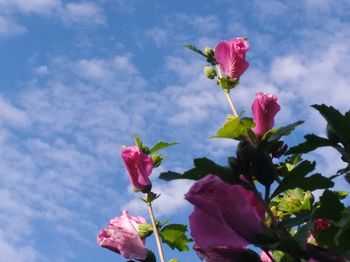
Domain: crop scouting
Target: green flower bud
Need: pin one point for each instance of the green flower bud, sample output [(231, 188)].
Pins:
[(209, 72), (174, 260), (208, 51), (145, 230)]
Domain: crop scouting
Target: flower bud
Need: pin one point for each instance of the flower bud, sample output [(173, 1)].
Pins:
[(139, 167), (265, 108), (144, 230), (209, 72), (208, 51)]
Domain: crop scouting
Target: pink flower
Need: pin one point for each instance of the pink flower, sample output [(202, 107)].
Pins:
[(322, 224), (230, 55), (226, 218), (265, 108), (139, 166), (121, 236), (264, 257)]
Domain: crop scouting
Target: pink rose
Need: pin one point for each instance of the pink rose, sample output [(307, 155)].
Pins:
[(265, 108), (225, 220), (121, 236), (139, 166), (230, 55)]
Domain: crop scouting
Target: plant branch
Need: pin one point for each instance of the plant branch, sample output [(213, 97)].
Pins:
[(155, 230)]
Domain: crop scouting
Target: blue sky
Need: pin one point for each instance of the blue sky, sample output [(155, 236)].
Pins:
[(79, 78)]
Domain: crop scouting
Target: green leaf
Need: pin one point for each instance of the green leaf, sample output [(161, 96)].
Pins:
[(211, 60), (312, 142), (339, 123), (296, 179), (161, 145), (330, 206), (294, 201), (140, 145), (175, 236), (294, 221), (203, 167), (194, 49), (275, 134), (235, 128), (303, 233), (157, 160), (279, 256), (344, 227), (144, 230), (328, 238)]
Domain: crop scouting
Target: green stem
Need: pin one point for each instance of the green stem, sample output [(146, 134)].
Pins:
[(155, 231), (227, 93), (231, 103)]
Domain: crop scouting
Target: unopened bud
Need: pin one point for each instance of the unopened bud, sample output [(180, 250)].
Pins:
[(174, 260), (209, 72), (144, 230), (208, 51)]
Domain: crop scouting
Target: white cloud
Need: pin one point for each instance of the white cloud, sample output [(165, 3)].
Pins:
[(171, 199), (158, 35), (10, 27), (10, 115), (82, 13), (17, 253), (41, 70), (27, 6), (287, 69)]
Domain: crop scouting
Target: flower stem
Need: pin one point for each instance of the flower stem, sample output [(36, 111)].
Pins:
[(266, 206), (231, 103), (155, 231), (227, 93)]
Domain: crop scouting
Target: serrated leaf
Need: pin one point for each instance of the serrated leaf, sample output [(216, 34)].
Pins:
[(327, 238), (303, 233), (276, 134), (203, 167), (330, 206), (339, 123), (344, 227), (311, 143), (294, 201), (175, 236), (294, 221), (235, 128), (161, 145), (296, 178)]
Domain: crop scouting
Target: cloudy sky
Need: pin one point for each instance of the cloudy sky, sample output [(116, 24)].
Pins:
[(79, 78)]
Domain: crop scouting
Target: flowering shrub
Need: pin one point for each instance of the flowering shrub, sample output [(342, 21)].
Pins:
[(264, 197)]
